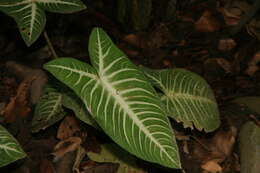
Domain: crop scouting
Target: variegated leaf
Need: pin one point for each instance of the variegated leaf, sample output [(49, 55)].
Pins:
[(187, 96), (10, 150), (49, 110), (120, 99), (30, 15), (71, 101)]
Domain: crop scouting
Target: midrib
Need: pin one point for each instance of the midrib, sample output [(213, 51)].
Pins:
[(111, 90), (185, 95)]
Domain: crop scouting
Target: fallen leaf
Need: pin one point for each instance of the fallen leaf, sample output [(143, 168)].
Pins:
[(226, 66), (253, 66), (226, 44), (88, 164), (207, 23), (65, 163), (134, 39), (223, 141), (18, 106), (253, 28), (66, 146), (233, 11), (211, 167), (231, 16), (157, 38), (23, 72), (214, 151), (68, 128)]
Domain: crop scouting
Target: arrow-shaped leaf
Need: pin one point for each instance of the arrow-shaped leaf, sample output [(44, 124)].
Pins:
[(10, 149), (30, 15), (187, 96), (49, 109), (121, 100)]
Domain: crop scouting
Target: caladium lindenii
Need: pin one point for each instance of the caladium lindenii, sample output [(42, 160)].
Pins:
[(121, 100), (30, 14)]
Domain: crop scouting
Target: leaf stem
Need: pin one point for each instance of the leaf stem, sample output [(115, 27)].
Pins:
[(50, 46)]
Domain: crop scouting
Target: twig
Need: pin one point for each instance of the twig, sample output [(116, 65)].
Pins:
[(50, 46)]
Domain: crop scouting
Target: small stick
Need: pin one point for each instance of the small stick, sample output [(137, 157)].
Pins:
[(53, 52)]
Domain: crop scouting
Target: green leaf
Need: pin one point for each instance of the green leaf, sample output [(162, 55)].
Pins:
[(71, 101), (114, 154), (187, 96), (49, 110), (121, 100), (10, 149), (249, 145), (251, 102), (30, 15)]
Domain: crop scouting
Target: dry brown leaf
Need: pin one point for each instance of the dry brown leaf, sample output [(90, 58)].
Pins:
[(233, 11), (253, 65), (251, 70), (226, 44), (211, 167), (22, 72), (253, 28), (231, 17), (223, 141), (18, 106), (68, 128), (66, 146), (167, 63), (133, 39), (224, 64), (88, 164), (214, 151), (158, 37), (207, 23)]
